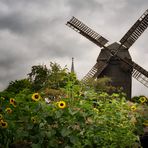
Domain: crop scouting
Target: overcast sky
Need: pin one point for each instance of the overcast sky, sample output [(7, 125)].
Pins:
[(33, 32)]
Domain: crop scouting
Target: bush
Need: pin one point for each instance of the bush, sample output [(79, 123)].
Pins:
[(93, 119)]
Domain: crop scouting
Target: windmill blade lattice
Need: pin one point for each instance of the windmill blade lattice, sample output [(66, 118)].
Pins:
[(138, 72), (135, 31), (95, 71), (90, 34), (140, 77)]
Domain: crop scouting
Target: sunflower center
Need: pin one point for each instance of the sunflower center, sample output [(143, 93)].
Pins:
[(36, 96), (3, 124), (61, 104), (14, 103)]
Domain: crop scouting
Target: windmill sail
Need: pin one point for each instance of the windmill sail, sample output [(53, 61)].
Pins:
[(140, 77), (84, 30), (95, 71), (135, 31), (138, 72)]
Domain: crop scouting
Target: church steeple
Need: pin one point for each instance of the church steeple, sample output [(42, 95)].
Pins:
[(72, 66)]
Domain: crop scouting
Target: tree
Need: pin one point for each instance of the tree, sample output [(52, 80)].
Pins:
[(18, 85), (54, 77), (38, 76), (57, 76)]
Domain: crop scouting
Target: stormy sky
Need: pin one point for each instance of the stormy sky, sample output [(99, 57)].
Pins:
[(33, 32)]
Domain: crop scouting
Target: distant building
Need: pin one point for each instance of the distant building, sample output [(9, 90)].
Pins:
[(72, 66)]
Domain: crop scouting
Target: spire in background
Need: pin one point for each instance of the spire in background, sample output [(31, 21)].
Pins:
[(72, 66)]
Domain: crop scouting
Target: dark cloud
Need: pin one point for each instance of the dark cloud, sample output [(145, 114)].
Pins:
[(18, 22)]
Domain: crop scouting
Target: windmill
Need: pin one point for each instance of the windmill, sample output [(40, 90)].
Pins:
[(114, 60)]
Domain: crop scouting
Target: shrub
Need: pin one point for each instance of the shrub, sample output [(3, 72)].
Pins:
[(89, 120)]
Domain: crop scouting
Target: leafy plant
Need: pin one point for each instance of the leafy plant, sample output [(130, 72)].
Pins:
[(79, 116)]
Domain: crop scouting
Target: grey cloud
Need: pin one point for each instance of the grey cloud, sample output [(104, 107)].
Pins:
[(19, 22), (28, 17), (88, 5)]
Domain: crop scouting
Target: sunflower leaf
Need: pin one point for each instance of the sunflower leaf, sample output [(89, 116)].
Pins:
[(65, 132)]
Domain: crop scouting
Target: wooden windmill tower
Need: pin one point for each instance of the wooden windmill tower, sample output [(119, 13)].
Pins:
[(114, 60)]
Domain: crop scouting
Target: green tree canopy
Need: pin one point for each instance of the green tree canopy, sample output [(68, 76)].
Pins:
[(18, 85), (38, 76), (56, 77), (53, 77)]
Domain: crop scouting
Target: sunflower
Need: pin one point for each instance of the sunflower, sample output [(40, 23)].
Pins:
[(133, 108), (3, 124), (33, 119), (146, 123), (61, 104), (12, 102), (8, 110), (36, 97), (142, 99), (1, 116)]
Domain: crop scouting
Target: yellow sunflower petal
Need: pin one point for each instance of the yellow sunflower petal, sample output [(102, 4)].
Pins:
[(33, 119), (4, 124), (61, 104), (36, 97), (8, 110), (1, 116), (133, 108), (142, 99), (11, 100), (145, 123)]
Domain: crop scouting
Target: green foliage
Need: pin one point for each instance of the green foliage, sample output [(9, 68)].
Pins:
[(93, 119), (57, 76), (5, 94), (79, 116), (18, 85), (53, 78), (100, 85), (38, 77)]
